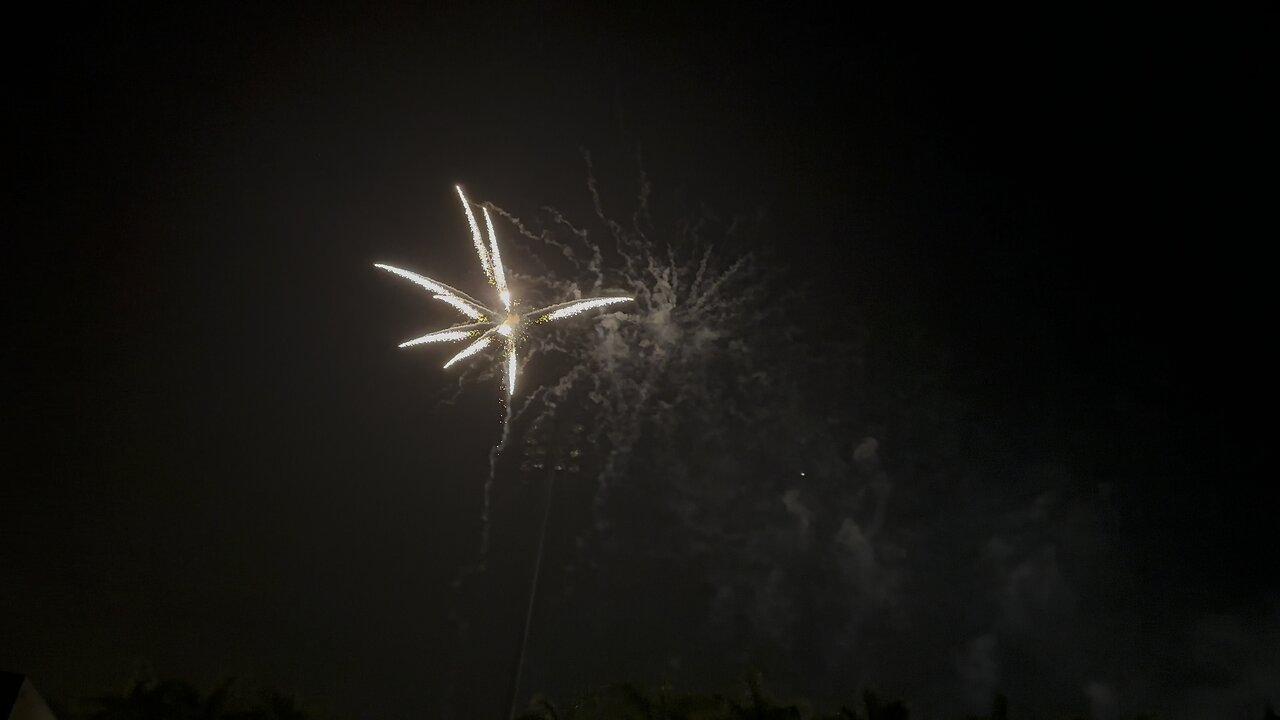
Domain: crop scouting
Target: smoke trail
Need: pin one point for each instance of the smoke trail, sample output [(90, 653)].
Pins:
[(714, 416), (699, 400), (689, 333)]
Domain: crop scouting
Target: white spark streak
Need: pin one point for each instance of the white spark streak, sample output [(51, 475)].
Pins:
[(511, 367), (485, 262), (499, 275), (472, 311), (564, 310), (462, 332), (434, 286), (425, 282), (471, 349)]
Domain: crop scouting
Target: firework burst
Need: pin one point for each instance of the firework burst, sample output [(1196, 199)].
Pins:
[(507, 328)]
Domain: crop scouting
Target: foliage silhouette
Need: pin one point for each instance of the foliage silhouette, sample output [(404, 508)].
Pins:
[(629, 702), (151, 699), (170, 699)]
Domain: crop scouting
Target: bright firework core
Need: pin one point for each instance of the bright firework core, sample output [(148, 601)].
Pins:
[(486, 321)]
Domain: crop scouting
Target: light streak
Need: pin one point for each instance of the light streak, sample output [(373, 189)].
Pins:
[(443, 336), (471, 349), (425, 282), (475, 312), (564, 310), (434, 286), (499, 275), (511, 367), (485, 263)]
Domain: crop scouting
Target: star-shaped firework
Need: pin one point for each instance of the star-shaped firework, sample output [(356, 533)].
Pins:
[(488, 326)]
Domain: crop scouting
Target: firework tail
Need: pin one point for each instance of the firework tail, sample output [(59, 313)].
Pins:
[(513, 691)]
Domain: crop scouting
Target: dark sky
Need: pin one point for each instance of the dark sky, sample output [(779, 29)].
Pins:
[(219, 463)]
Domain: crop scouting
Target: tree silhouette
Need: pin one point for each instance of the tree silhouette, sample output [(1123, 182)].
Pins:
[(630, 702), (151, 699)]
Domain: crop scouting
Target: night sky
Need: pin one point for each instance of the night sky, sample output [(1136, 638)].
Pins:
[(1007, 279)]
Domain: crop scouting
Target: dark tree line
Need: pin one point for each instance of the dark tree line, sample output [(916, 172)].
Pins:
[(630, 702), (153, 699)]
